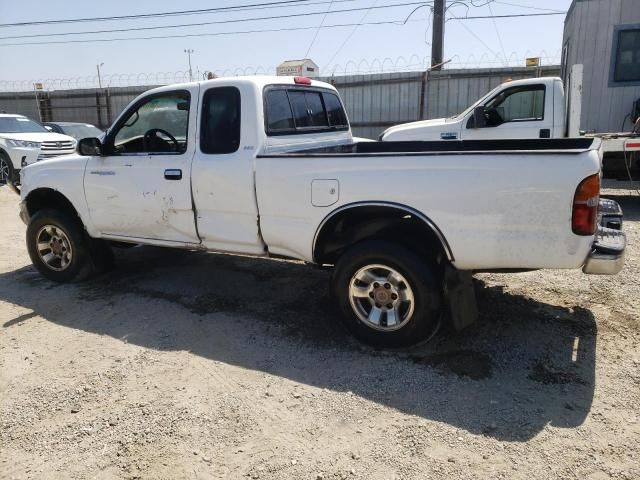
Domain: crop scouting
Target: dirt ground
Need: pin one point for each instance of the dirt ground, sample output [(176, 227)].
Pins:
[(192, 365)]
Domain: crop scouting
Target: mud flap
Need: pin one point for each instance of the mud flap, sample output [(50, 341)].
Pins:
[(460, 298)]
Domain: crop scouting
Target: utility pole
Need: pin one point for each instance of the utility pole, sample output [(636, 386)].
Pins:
[(437, 44), (99, 78), (189, 51)]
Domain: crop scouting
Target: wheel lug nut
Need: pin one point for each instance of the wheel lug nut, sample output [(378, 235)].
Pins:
[(387, 286), (376, 285), (377, 305), (371, 294), (394, 296), (389, 306)]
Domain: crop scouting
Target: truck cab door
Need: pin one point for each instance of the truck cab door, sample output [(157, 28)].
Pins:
[(523, 111), (223, 180), (140, 187)]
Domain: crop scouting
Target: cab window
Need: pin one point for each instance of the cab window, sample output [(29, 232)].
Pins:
[(159, 125), (517, 104), (301, 110), (220, 126)]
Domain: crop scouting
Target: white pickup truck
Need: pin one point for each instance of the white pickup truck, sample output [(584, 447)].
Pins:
[(528, 109), (266, 166)]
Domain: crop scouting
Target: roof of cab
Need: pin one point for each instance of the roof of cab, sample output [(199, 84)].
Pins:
[(260, 81)]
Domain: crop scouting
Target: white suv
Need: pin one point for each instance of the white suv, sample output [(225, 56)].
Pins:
[(23, 141)]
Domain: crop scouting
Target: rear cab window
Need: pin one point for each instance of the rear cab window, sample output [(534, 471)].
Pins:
[(291, 110)]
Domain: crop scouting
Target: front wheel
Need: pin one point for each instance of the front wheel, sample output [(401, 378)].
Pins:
[(6, 169), (388, 295), (58, 246)]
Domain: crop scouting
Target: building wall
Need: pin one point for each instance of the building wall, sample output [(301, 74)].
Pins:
[(589, 31)]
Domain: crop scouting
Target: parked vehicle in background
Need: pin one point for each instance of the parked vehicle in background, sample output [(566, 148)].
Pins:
[(14, 154), (526, 109), (23, 141), (267, 166), (74, 129)]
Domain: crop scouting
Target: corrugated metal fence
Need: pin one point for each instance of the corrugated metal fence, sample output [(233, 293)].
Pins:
[(373, 102)]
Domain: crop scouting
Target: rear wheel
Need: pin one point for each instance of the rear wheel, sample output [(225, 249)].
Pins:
[(58, 246), (6, 169), (388, 295)]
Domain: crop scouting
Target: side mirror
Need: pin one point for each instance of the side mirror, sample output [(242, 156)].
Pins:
[(479, 119), (90, 147), (48, 128)]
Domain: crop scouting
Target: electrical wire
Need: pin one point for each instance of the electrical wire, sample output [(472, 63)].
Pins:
[(495, 26), (476, 36), (527, 6), (513, 15), (191, 35), (156, 15), (313, 40), (353, 31), (213, 22)]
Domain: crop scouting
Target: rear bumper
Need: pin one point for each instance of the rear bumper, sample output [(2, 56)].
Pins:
[(607, 254)]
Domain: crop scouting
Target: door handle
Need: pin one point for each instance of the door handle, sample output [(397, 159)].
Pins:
[(173, 174)]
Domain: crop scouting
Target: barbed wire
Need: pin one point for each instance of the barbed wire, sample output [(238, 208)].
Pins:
[(350, 67)]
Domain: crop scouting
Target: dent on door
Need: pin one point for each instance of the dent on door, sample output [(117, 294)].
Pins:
[(324, 192)]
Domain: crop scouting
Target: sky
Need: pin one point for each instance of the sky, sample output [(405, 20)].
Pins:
[(336, 49)]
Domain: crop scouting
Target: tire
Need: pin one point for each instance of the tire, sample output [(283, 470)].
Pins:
[(416, 308), (70, 243), (6, 169)]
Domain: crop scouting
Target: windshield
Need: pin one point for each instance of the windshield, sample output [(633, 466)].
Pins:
[(479, 102), (20, 125), (81, 131)]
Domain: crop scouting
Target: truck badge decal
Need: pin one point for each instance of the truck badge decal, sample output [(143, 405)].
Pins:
[(449, 136)]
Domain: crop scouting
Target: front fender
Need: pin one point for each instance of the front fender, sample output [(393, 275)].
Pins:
[(64, 176)]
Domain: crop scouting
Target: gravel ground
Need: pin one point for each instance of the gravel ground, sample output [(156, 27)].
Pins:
[(192, 365)]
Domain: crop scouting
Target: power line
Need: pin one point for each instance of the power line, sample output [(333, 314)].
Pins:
[(214, 22), (152, 15), (306, 55), (348, 37), (495, 26), (528, 6), (514, 15), (476, 36), (190, 35), (242, 32)]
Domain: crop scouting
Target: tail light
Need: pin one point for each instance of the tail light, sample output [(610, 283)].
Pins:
[(584, 219)]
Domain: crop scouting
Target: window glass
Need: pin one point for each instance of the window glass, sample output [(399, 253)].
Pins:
[(299, 107), (316, 109), (293, 110), (220, 130), (519, 104), (627, 67), (20, 125), (337, 117), (81, 131), (279, 114), (157, 126)]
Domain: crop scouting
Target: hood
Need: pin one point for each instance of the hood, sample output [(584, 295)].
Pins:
[(425, 130), (71, 160), (38, 137)]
